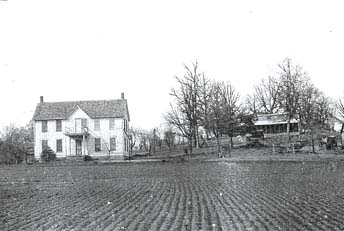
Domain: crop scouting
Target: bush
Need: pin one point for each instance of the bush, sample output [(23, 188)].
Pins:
[(87, 158), (48, 155)]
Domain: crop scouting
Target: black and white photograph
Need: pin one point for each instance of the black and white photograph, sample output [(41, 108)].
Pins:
[(171, 115)]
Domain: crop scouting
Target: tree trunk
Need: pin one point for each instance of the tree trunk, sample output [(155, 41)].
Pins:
[(197, 138), (218, 146), (190, 144), (313, 148), (288, 129)]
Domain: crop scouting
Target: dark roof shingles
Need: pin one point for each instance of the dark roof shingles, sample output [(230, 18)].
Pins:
[(93, 108)]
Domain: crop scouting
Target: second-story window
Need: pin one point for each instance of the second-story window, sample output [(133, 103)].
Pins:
[(83, 123), (112, 123), (97, 124), (124, 125), (59, 125), (44, 126)]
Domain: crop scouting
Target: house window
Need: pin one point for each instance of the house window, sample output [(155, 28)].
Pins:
[(44, 126), (59, 125), (125, 125), (112, 123), (83, 123), (125, 144), (44, 144), (97, 124), (59, 145), (97, 145), (113, 144)]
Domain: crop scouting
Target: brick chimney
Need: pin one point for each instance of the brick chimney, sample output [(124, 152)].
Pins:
[(41, 99), (122, 95)]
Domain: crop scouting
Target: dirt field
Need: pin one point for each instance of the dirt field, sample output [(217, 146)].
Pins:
[(195, 195)]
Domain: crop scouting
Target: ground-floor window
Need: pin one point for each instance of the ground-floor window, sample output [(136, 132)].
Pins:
[(44, 144), (59, 145), (97, 145), (113, 144)]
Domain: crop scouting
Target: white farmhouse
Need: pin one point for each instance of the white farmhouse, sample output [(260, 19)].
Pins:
[(97, 128), (276, 124)]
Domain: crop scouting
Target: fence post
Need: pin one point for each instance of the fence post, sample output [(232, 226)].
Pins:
[(273, 148)]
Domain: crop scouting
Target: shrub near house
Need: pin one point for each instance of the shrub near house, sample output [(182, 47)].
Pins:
[(96, 128)]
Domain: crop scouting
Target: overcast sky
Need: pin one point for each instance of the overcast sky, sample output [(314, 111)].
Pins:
[(84, 50)]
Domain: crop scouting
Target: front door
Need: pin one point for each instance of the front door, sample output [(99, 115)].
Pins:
[(78, 147)]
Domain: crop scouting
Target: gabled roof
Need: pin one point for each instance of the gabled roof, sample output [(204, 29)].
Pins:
[(93, 108)]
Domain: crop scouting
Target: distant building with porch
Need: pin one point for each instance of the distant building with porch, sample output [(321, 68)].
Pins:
[(276, 124), (98, 128)]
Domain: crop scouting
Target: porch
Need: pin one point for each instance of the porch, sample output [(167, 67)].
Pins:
[(78, 141)]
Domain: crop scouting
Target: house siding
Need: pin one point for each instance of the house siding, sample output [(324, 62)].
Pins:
[(51, 136), (69, 144)]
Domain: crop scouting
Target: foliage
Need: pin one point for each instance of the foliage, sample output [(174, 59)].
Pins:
[(14, 143), (88, 158), (48, 155)]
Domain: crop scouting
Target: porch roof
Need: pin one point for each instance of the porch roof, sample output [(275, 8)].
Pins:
[(271, 122), (76, 135)]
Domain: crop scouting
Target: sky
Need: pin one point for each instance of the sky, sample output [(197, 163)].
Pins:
[(94, 50)]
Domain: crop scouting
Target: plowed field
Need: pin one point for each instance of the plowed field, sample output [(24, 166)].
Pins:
[(195, 195)]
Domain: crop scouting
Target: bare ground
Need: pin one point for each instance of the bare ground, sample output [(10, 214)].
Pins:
[(176, 195)]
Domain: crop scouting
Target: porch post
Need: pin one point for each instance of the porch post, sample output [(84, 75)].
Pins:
[(84, 145)]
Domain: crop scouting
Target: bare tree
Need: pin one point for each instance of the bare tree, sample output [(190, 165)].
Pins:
[(170, 138), (292, 82), (340, 107), (308, 110), (184, 114), (145, 139), (266, 95), (325, 112), (223, 110), (204, 108), (250, 105), (176, 118), (231, 109), (216, 113), (133, 133)]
